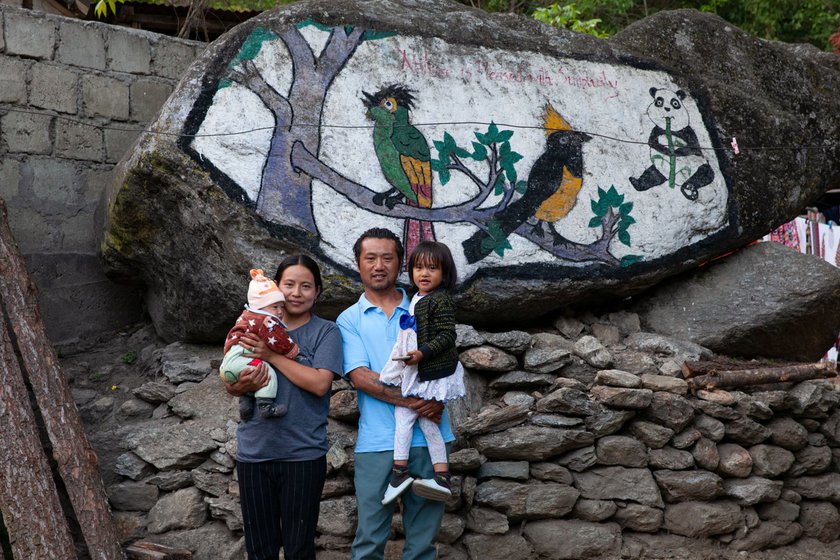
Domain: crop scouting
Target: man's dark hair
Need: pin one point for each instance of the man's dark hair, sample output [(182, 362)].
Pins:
[(378, 233)]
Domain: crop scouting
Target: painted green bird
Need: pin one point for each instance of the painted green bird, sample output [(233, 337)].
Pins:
[(403, 155)]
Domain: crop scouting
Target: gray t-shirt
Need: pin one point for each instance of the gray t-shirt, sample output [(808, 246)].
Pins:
[(300, 435)]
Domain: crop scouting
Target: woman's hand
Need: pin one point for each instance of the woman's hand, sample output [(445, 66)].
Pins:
[(416, 356), (433, 410), (257, 347), (250, 380)]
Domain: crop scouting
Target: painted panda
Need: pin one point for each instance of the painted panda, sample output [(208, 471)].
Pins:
[(675, 154)]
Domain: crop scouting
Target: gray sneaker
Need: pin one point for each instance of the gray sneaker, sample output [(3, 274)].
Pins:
[(400, 481), (436, 489)]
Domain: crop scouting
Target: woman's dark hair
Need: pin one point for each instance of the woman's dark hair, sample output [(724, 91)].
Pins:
[(304, 261), (378, 233), (437, 253)]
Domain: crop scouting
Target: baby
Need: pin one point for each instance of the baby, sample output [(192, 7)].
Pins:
[(263, 316)]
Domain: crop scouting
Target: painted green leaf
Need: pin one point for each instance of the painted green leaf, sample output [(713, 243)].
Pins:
[(499, 187), (521, 187), (439, 145), (224, 83), (371, 35), (487, 244), (595, 222), (613, 198), (443, 175), (627, 260), (504, 150), (449, 142), (625, 208), (500, 248), (624, 236), (510, 171), (599, 208), (482, 138), (479, 152), (462, 153), (492, 132), (504, 136)]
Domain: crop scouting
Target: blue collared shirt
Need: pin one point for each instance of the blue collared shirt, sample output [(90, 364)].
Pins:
[(368, 337)]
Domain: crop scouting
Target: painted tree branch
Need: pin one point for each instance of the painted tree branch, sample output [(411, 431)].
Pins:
[(285, 195), (29, 500), (249, 76), (75, 458), (468, 212)]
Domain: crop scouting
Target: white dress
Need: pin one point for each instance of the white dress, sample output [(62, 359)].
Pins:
[(407, 378)]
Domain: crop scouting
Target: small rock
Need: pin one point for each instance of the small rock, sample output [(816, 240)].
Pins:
[(132, 466), (746, 431), (183, 509), (467, 336), (594, 510), (637, 517), (569, 327), (811, 460), (709, 427), (700, 519), (752, 490), (617, 397), (706, 454), (681, 486), (770, 461), (593, 352), (579, 460), (566, 401), (606, 334), (605, 421), (344, 406), (670, 368), (664, 383), (627, 322), (717, 396), (686, 438), (155, 392), (652, 435), (551, 472), (488, 358), (670, 458), (465, 460), (634, 362), (548, 353), (522, 380), (516, 470), (518, 398), (487, 521), (820, 520), (735, 461), (621, 450), (618, 378), (555, 421), (515, 342)]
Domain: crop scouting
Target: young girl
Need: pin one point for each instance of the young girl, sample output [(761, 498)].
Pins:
[(424, 363)]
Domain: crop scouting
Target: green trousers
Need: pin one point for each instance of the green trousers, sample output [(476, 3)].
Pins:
[(421, 518)]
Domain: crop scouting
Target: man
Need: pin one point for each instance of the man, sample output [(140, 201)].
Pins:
[(368, 330)]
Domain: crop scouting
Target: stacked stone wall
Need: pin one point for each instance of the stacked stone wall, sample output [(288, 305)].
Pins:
[(73, 96), (575, 442)]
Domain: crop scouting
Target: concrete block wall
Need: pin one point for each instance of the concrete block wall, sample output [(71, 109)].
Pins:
[(73, 96)]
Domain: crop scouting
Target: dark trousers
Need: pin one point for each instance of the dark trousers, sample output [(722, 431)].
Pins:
[(280, 503)]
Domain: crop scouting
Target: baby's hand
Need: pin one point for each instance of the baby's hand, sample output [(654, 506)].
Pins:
[(416, 356), (269, 323)]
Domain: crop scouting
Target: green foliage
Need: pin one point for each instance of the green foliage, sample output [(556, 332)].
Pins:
[(496, 240), (568, 17), (101, 7), (129, 357), (494, 139), (607, 200), (796, 21)]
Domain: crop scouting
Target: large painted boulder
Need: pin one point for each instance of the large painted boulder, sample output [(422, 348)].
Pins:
[(557, 167)]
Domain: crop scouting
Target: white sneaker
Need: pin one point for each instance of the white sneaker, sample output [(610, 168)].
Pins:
[(431, 489), (397, 486)]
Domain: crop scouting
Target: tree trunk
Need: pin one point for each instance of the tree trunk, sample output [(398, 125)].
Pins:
[(77, 463), (760, 376), (29, 500)]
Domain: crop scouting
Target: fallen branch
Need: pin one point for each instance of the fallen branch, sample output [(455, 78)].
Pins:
[(760, 376), (719, 364)]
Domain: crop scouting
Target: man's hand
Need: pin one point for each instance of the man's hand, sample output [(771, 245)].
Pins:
[(428, 409), (250, 381)]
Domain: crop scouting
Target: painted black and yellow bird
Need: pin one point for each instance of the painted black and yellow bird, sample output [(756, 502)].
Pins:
[(553, 186)]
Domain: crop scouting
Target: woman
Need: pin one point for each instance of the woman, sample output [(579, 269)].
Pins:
[(281, 462)]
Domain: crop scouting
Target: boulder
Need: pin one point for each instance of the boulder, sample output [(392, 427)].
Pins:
[(509, 546), (308, 174), (618, 483), (716, 306), (573, 540), (700, 519)]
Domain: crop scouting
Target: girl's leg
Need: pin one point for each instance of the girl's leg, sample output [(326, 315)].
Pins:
[(405, 418), (300, 500), (437, 448), (259, 489)]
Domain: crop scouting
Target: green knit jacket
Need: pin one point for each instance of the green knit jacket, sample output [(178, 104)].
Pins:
[(435, 316)]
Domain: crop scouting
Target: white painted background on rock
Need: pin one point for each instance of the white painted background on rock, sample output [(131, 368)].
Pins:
[(449, 88)]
